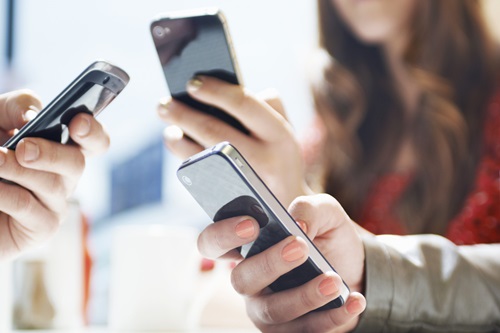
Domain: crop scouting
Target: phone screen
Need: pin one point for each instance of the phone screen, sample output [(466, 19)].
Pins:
[(91, 92), (195, 45)]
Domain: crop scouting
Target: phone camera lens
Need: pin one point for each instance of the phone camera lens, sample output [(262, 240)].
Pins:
[(160, 31), (106, 80), (187, 180)]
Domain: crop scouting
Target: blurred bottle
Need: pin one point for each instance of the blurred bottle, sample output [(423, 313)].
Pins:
[(49, 281), (34, 309)]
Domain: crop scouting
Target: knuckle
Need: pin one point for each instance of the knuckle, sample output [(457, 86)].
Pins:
[(268, 313), (237, 281), (267, 267), (23, 202), (214, 128), (57, 189), (306, 300)]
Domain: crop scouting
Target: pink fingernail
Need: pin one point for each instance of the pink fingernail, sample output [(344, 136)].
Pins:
[(292, 251), (245, 229), (354, 307), (328, 287)]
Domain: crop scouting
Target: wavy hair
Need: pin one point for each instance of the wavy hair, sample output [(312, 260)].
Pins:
[(450, 55)]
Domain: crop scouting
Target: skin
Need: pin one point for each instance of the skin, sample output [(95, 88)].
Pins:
[(45, 174), (270, 132), (273, 151), (325, 222)]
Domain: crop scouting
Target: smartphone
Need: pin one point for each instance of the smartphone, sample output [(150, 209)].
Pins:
[(196, 42), (225, 185), (90, 92)]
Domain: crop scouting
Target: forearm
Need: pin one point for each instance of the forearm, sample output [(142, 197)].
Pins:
[(426, 283)]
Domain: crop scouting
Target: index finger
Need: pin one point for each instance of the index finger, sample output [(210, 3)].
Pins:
[(223, 236), (258, 116)]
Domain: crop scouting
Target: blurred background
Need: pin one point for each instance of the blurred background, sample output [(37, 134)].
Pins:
[(44, 44)]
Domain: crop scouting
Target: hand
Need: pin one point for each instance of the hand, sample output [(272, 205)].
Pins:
[(326, 223), (42, 174), (270, 148)]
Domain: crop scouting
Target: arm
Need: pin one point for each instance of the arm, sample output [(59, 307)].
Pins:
[(427, 283)]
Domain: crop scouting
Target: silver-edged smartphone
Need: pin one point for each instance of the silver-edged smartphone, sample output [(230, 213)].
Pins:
[(90, 92), (196, 42), (225, 185)]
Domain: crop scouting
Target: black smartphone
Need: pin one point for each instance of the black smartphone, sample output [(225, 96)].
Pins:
[(196, 42), (225, 185), (90, 92)]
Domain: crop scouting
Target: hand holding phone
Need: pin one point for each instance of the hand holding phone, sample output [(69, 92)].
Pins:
[(225, 185), (90, 92), (191, 43)]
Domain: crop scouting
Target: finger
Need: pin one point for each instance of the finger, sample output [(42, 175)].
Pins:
[(201, 127), (260, 118), (178, 144), (342, 319), (332, 232), (48, 187), (16, 108), (319, 213), (256, 273), (89, 134), (223, 236), (45, 155), (27, 213), (272, 98), (287, 305)]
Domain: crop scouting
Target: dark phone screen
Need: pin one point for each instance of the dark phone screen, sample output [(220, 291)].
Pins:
[(194, 46), (50, 122)]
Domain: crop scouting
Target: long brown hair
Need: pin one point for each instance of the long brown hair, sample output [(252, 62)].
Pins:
[(451, 56)]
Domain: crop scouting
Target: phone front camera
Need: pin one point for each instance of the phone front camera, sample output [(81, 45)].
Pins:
[(187, 180), (159, 31)]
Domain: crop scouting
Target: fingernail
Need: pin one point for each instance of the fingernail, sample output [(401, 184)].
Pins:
[(302, 226), (328, 287), (245, 229), (292, 251), (29, 115), (31, 151), (83, 127), (173, 133), (353, 307), (164, 106), (194, 84)]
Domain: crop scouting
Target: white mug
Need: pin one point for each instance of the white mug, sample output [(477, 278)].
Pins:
[(156, 282)]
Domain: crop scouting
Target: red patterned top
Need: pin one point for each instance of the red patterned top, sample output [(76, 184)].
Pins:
[(477, 222)]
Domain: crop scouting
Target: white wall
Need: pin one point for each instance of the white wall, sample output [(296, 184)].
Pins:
[(58, 38)]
